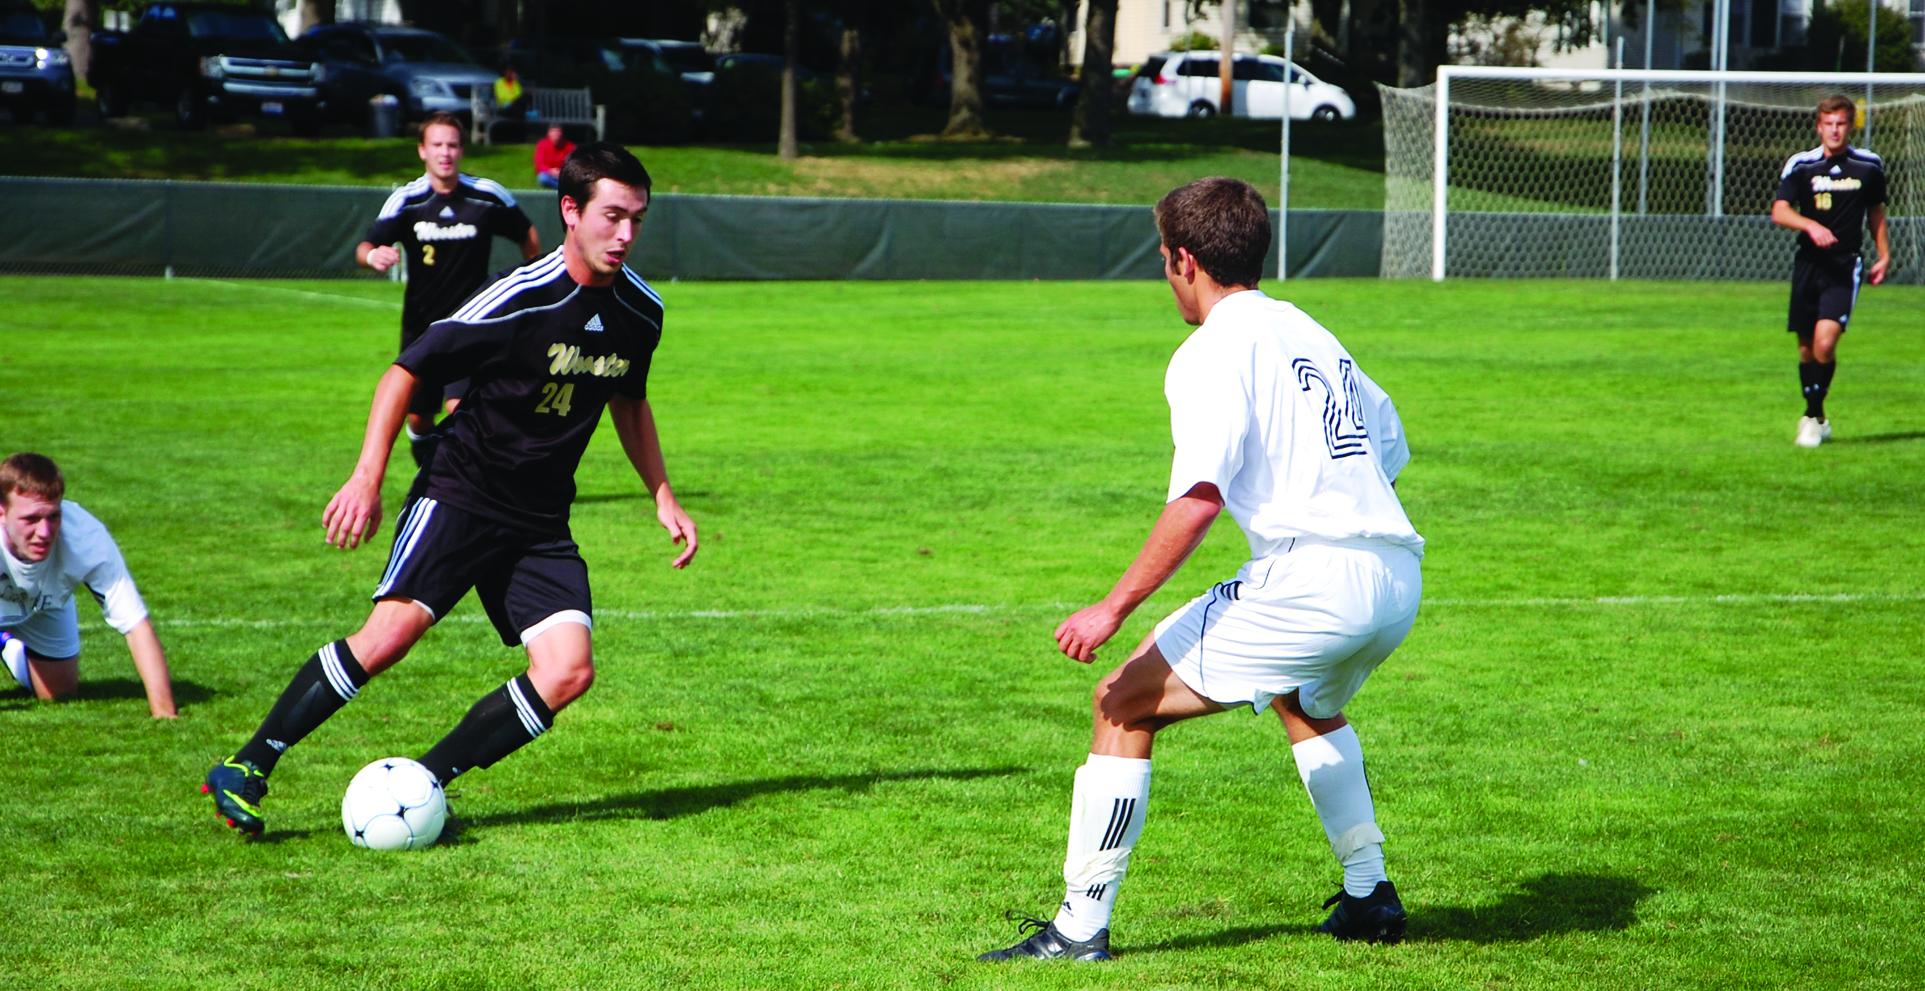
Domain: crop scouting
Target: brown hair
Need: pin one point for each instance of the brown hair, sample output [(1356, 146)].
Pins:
[(1837, 102), (445, 119), (34, 474), (1224, 224)]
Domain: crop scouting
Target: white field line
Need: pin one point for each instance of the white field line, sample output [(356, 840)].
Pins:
[(331, 297), (970, 609)]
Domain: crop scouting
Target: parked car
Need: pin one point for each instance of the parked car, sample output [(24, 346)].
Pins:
[(209, 61), (1185, 84), (687, 58), (422, 69), (35, 75), (568, 57), (1012, 77)]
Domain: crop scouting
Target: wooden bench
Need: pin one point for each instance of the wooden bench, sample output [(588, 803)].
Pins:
[(544, 107)]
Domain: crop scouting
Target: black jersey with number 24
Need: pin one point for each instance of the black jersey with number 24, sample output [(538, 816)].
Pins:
[(1835, 190), (447, 239), (545, 354)]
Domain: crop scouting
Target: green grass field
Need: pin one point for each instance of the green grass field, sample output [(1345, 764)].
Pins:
[(1657, 726)]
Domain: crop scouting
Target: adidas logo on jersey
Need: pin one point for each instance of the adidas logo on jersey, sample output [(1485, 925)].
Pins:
[(447, 211), (594, 324)]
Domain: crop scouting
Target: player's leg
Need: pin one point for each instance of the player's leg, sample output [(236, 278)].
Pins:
[(542, 601), (1808, 284), (437, 551), (42, 652), (1110, 798)]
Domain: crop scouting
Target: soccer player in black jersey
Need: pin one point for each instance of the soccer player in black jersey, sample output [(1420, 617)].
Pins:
[(446, 221), (1826, 195), (547, 347)]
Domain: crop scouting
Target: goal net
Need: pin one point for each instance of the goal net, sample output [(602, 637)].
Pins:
[(1661, 174)]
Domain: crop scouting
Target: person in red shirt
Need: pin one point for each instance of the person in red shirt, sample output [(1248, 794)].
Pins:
[(550, 152)]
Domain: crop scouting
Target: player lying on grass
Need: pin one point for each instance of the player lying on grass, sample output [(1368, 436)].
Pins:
[(1834, 189), (446, 222), (547, 347), (52, 547), (1274, 422)]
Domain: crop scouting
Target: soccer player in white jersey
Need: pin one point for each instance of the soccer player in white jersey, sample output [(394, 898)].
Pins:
[(51, 548), (1276, 423)]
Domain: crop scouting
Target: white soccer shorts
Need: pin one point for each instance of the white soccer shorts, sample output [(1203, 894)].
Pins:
[(1317, 619), (54, 635)]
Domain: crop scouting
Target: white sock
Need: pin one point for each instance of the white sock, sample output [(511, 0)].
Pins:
[(1105, 818), (1332, 769)]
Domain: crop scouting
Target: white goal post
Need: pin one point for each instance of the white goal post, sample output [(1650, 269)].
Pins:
[(1518, 171)]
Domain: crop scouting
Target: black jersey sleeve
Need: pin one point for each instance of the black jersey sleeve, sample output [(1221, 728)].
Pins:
[(509, 222), (387, 230), (1788, 187), (452, 350), (1875, 189), (634, 385)]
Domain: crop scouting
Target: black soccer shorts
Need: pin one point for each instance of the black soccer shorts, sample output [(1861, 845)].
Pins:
[(521, 577), (1823, 288)]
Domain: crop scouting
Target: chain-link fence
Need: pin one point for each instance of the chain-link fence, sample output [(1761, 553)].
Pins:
[(1603, 177)]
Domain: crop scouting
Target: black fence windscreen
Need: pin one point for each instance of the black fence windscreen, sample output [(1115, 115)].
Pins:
[(226, 230)]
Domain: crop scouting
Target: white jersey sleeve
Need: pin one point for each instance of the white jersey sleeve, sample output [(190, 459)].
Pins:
[(1209, 418), (93, 559), (1384, 426)]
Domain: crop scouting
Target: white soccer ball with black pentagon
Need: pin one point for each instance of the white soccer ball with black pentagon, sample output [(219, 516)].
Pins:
[(394, 804)]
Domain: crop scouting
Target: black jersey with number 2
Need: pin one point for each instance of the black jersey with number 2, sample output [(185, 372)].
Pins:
[(545, 354), (447, 239), (1835, 190)]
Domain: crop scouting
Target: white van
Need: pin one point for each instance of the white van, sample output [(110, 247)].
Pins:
[(1184, 84)]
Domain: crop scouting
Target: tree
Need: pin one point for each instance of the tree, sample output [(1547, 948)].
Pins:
[(1091, 127), (849, 80), (79, 21), (786, 146), (967, 21), (1835, 42)]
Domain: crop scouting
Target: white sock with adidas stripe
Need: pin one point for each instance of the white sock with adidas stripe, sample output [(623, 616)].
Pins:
[(1105, 818)]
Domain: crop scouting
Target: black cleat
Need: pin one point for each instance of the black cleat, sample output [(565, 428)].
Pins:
[(1046, 942), (1378, 918), (238, 787)]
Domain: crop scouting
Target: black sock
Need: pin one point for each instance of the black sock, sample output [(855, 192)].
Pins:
[(497, 726), (1820, 386), (329, 680), (1807, 375)]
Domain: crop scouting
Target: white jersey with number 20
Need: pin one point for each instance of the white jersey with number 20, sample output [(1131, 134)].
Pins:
[(1266, 405)]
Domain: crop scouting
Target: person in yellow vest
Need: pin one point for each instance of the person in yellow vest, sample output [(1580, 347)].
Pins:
[(509, 95)]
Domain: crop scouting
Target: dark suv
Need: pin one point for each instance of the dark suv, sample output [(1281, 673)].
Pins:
[(207, 61), (425, 70), (34, 72)]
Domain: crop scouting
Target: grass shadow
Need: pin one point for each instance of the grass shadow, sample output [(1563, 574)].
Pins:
[(674, 803), (1223, 938), (1547, 905), (185, 693), (1891, 438)]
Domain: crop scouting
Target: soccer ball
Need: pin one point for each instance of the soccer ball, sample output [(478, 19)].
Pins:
[(393, 804)]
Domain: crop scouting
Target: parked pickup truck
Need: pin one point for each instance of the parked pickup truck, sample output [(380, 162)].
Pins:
[(210, 62)]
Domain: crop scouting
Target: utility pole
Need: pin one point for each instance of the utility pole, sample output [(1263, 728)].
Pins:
[(1226, 64)]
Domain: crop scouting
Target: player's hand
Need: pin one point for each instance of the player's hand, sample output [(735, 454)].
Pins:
[(1821, 236), (383, 258), (1878, 270), (354, 514), (681, 530), (1080, 635)]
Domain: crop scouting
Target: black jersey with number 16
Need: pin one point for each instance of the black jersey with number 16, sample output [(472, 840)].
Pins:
[(1835, 190), (545, 354)]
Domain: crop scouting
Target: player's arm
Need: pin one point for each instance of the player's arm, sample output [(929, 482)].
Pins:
[(151, 662), (531, 245), (381, 258), (635, 425), (1185, 522), (1784, 215), (354, 514), (1881, 236)]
